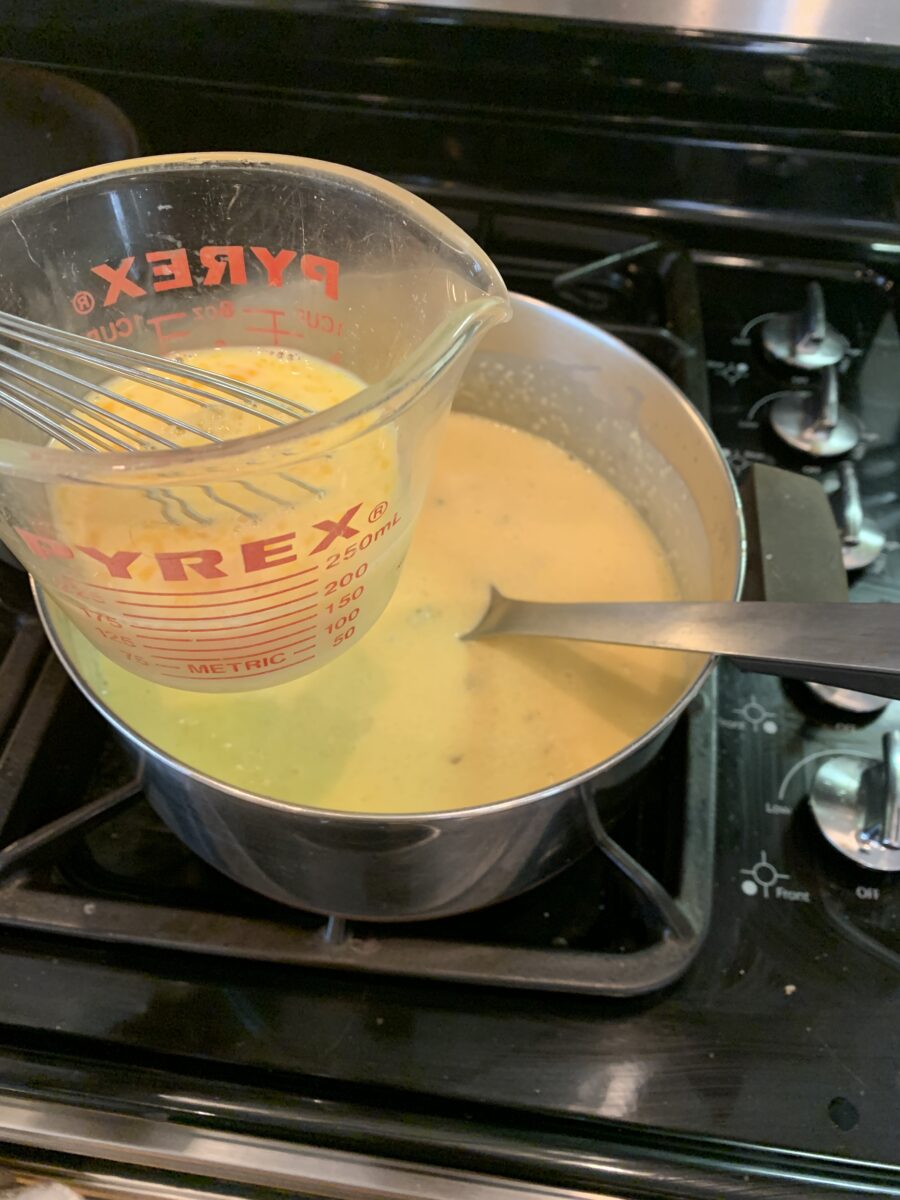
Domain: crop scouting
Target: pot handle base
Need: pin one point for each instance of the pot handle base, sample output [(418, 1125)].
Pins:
[(795, 560)]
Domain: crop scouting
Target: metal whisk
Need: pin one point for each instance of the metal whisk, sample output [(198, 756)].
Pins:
[(58, 401)]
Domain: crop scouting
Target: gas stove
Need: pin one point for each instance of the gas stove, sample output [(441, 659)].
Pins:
[(704, 1005)]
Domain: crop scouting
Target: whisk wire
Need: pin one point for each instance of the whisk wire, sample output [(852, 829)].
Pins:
[(31, 389), (114, 419), (123, 359), (145, 377), (25, 409)]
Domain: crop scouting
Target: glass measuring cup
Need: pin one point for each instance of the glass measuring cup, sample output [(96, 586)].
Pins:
[(176, 253)]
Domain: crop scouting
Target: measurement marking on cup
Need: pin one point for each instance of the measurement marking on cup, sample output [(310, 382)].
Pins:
[(224, 603), (198, 658), (253, 651), (279, 649), (273, 329), (251, 612), (174, 643), (221, 628), (245, 587), (251, 674), (265, 637), (217, 651)]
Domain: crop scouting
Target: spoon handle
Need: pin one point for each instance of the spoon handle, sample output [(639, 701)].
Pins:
[(854, 646)]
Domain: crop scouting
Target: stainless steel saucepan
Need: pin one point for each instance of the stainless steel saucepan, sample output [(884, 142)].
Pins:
[(554, 374)]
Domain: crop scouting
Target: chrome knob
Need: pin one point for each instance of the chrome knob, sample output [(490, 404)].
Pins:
[(814, 422), (804, 339), (856, 804), (861, 543), (861, 539), (846, 700)]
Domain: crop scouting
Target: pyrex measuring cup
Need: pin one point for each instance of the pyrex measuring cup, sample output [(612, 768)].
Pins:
[(175, 253)]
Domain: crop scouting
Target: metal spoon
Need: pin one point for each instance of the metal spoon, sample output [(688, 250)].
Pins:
[(847, 645)]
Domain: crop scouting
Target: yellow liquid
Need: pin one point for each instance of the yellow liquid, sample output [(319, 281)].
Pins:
[(150, 557), (184, 515), (415, 720), (288, 374)]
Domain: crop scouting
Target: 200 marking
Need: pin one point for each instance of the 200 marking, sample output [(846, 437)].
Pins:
[(345, 580)]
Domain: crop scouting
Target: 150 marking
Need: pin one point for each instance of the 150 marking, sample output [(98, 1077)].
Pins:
[(347, 598), (342, 629)]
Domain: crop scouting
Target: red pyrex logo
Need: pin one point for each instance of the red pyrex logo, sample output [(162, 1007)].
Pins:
[(174, 269), (336, 529), (206, 563)]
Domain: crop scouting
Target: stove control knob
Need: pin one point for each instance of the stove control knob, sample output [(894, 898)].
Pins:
[(804, 339), (814, 422), (856, 804), (861, 539), (848, 702)]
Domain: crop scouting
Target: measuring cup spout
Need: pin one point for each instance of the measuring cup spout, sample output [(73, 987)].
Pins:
[(451, 346), (482, 314)]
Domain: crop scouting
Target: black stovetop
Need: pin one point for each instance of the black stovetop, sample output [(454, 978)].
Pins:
[(734, 1037)]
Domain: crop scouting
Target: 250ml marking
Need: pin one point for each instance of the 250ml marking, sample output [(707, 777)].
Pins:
[(362, 545)]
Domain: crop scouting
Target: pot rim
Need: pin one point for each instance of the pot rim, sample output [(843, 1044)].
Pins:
[(447, 816)]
